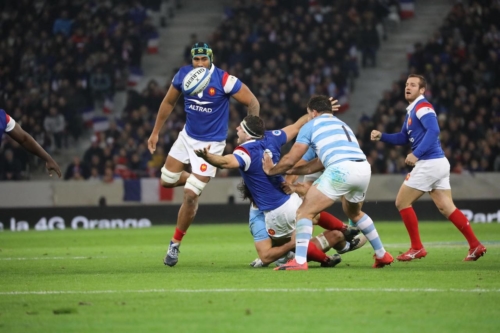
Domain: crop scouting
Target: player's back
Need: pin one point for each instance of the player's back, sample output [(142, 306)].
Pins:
[(332, 140), (207, 113), (266, 190)]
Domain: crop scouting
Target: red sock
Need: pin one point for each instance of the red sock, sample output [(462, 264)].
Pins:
[(411, 222), (463, 225), (329, 222), (178, 234), (315, 254)]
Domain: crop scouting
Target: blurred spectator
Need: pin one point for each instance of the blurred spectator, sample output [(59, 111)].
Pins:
[(63, 56), (10, 166), (55, 125), (77, 167)]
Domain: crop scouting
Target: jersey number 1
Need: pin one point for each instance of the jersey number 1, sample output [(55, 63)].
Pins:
[(347, 134)]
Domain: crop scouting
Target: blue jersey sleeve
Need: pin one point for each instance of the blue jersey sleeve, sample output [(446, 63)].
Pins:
[(309, 155), (429, 121), (177, 81), (400, 138), (279, 137)]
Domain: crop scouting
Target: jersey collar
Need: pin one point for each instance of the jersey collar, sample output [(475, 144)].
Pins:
[(212, 68), (244, 143), (412, 105)]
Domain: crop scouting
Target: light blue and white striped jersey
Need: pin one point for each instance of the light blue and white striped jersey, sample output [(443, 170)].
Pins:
[(331, 138)]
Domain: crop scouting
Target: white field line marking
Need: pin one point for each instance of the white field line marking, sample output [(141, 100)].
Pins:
[(54, 258), (262, 290)]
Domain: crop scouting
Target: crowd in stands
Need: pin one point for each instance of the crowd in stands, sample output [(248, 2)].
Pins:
[(283, 50), (58, 58), (461, 63)]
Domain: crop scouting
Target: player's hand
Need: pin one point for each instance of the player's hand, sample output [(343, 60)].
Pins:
[(375, 135), (152, 141), (411, 159), (335, 105), (288, 188), (267, 163), (51, 167), (203, 153)]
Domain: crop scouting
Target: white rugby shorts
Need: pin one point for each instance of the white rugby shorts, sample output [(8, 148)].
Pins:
[(428, 175), (280, 222), (347, 179), (183, 151)]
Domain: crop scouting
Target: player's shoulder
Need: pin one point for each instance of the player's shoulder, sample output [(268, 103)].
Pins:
[(273, 133), (184, 70), (424, 103)]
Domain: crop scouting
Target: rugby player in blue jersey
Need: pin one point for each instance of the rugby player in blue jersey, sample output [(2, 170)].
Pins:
[(8, 125), (346, 176), (207, 116), (278, 208), (431, 172)]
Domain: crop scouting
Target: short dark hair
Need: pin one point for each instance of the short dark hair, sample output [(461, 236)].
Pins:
[(422, 83), (255, 124), (320, 103)]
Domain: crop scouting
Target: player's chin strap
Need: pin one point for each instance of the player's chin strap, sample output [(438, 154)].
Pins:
[(248, 131)]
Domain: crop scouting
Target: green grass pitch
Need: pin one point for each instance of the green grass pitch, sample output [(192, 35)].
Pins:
[(115, 281)]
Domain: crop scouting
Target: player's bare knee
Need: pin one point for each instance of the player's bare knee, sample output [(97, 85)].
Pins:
[(169, 179)]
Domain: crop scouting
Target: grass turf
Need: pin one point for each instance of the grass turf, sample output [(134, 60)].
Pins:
[(114, 281)]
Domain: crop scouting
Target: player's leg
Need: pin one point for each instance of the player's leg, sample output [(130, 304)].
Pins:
[(404, 201), (314, 202), (202, 172), (319, 245), (268, 250), (358, 180), (417, 182), (444, 202)]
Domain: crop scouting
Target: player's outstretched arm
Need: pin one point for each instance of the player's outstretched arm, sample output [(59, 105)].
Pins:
[(246, 97), (312, 166), (293, 129), (166, 107), (224, 162), (399, 139), (27, 141), (288, 161)]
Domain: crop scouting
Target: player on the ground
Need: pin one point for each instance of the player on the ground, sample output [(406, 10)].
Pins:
[(279, 208), (347, 175), (271, 249), (431, 172), (207, 116), (8, 125)]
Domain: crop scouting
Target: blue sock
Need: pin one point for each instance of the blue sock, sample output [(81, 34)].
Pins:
[(365, 224), (302, 237)]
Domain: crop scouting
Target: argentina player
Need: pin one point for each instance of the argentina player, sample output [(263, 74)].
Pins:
[(431, 172), (207, 116), (347, 175)]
